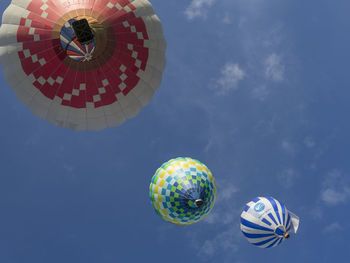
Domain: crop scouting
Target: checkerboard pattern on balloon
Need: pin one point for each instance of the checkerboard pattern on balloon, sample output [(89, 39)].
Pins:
[(173, 187)]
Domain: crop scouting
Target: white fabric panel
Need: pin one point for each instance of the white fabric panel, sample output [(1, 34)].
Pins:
[(254, 231), (155, 31), (14, 75), (144, 92), (96, 124), (295, 222), (39, 105), (92, 112), (152, 76), (156, 78), (9, 53), (114, 114), (130, 104), (13, 15), (157, 59), (21, 3), (154, 26), (25, 4), (257, 240), (115, 119), (8, 34), (156, 44), (143, 8), (76, 119), (65, 116), (256, 220), (25, 91), (269, 243), (57, 114), (280, 211)]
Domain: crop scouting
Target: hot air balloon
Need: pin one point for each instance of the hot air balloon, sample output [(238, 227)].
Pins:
[(266, 222), (82, 64), (183, 191)]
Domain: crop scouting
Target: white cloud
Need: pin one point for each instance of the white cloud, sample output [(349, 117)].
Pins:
[(336, 189), (287, 177), (274, 69), (226, 240), (316, 212), (231, 74), (208, 248), (333, 197), (333, 228), (221, 214), (288, 147), (68, 167), (227, 192), (198, 8), (225, 218), (309, 142), (260, 93), (226, 19)]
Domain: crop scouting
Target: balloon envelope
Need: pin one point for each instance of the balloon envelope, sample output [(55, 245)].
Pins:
[(85, 64), (183, 191), (266, 222)]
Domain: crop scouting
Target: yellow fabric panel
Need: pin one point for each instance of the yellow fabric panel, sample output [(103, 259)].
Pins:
[(162, 174), (162, 182), (184, 165), (170, 170)]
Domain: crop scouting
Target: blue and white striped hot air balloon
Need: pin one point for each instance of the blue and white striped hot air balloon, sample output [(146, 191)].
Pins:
[(266, 222)]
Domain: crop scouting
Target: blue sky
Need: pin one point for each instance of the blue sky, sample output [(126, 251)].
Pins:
[(257, 90)]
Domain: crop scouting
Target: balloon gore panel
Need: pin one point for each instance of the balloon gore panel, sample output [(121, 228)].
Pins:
[(96, 63), (266, 222), (183, 191)]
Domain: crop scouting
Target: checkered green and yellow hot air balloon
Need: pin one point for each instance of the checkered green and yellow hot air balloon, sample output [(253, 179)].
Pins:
[(183, 191)]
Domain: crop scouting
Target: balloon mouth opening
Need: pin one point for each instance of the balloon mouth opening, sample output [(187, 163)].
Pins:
[(280, 231), (83, 31), (79, 40), (198, 202)]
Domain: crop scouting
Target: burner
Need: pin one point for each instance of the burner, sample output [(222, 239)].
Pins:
[(83, 31)]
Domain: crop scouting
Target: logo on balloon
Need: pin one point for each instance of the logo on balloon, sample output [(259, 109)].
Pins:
[(259, 207)]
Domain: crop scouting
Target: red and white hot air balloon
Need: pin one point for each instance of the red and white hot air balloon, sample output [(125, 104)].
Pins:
[(83, 64)]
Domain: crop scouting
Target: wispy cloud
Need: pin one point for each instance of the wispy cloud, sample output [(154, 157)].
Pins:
[(333, 197), (309, 142), (226, 19), (224, 218), (316, 212), (265, 56), (198, 9), (68, 167), (231, 74), (274, 68), (288, 147), (221, 214), (225, 240), (260, 93), (336, 189), (287, 177), (227, 192), (332, 228)]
